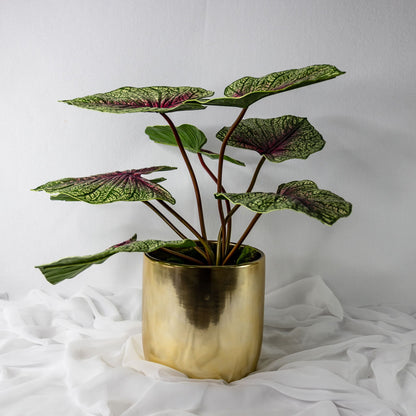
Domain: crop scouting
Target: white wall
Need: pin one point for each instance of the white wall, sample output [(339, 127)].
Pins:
[(56, 49)]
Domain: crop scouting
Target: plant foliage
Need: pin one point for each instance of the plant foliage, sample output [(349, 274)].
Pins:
[(110, 187), (147, 99), (303, 196), (277, 139), (274, 139), (71, 266), (191, 137), (247, 90)]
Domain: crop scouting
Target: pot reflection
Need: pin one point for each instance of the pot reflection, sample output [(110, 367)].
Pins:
[(202, 293)]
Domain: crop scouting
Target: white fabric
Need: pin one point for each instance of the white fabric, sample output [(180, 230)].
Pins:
[(82, 356)]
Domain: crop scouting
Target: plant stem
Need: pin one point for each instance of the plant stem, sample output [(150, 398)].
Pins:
[(180, 218), (256, 173), (191, 173), (249, 189), (168, 222), (208, 170), (227, 204), (243, 237), (165, 219), (222, 240), (183, 256), (214, 178), (209, 255)]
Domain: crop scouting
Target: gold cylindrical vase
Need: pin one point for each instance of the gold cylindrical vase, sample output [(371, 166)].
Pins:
[(205, 321)]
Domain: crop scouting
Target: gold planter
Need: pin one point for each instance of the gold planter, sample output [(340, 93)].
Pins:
[(205, 321)]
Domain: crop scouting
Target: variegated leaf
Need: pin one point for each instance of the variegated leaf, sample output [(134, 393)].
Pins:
[(69, 267), (277, 139), (247, 90), (147, 99), (191, 137), (110, 187), (303, 196)]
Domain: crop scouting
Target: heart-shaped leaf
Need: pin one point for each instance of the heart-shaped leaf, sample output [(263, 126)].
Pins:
[(146, 99), (191, 137), (303, 196), (277, 139), (110, 187), (69, 267), (247, 90)]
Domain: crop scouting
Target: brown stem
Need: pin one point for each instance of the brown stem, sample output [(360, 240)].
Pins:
[(243, 237), (214, 178), (191, 173), (209, 255), (249, 189), (165, 219), (256, 174), (222, 241), (227, 204), (183, 256), (168, 222), (180, 218), (208, 170)]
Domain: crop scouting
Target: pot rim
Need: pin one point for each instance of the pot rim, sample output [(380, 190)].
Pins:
[(209, 266)]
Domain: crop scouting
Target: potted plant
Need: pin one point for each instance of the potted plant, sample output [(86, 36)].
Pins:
[(203, 298)]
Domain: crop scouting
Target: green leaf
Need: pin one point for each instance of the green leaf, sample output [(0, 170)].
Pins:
[(62, 197), (277, 139), (303, 196), (216, 156), (247, 255), (110, 187), (147, 99), (247, 90), (70, 267), (191, 137)]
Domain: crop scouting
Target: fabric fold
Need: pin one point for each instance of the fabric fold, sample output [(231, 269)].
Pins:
[(82, 355)]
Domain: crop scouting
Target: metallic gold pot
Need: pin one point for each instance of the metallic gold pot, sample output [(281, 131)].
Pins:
[(205, 321)]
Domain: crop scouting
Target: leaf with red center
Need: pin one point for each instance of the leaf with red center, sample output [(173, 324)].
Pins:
[(69, 267), (277, 139), (303, 196), (110, 187), (247, 90), (146, 99)]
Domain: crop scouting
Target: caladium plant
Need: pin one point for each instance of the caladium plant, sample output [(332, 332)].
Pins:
[(275, 140)]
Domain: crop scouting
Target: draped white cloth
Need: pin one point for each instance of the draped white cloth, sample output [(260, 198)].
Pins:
[(82, 356)]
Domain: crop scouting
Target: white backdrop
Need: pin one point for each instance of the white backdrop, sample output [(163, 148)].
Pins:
[(55, 49)]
